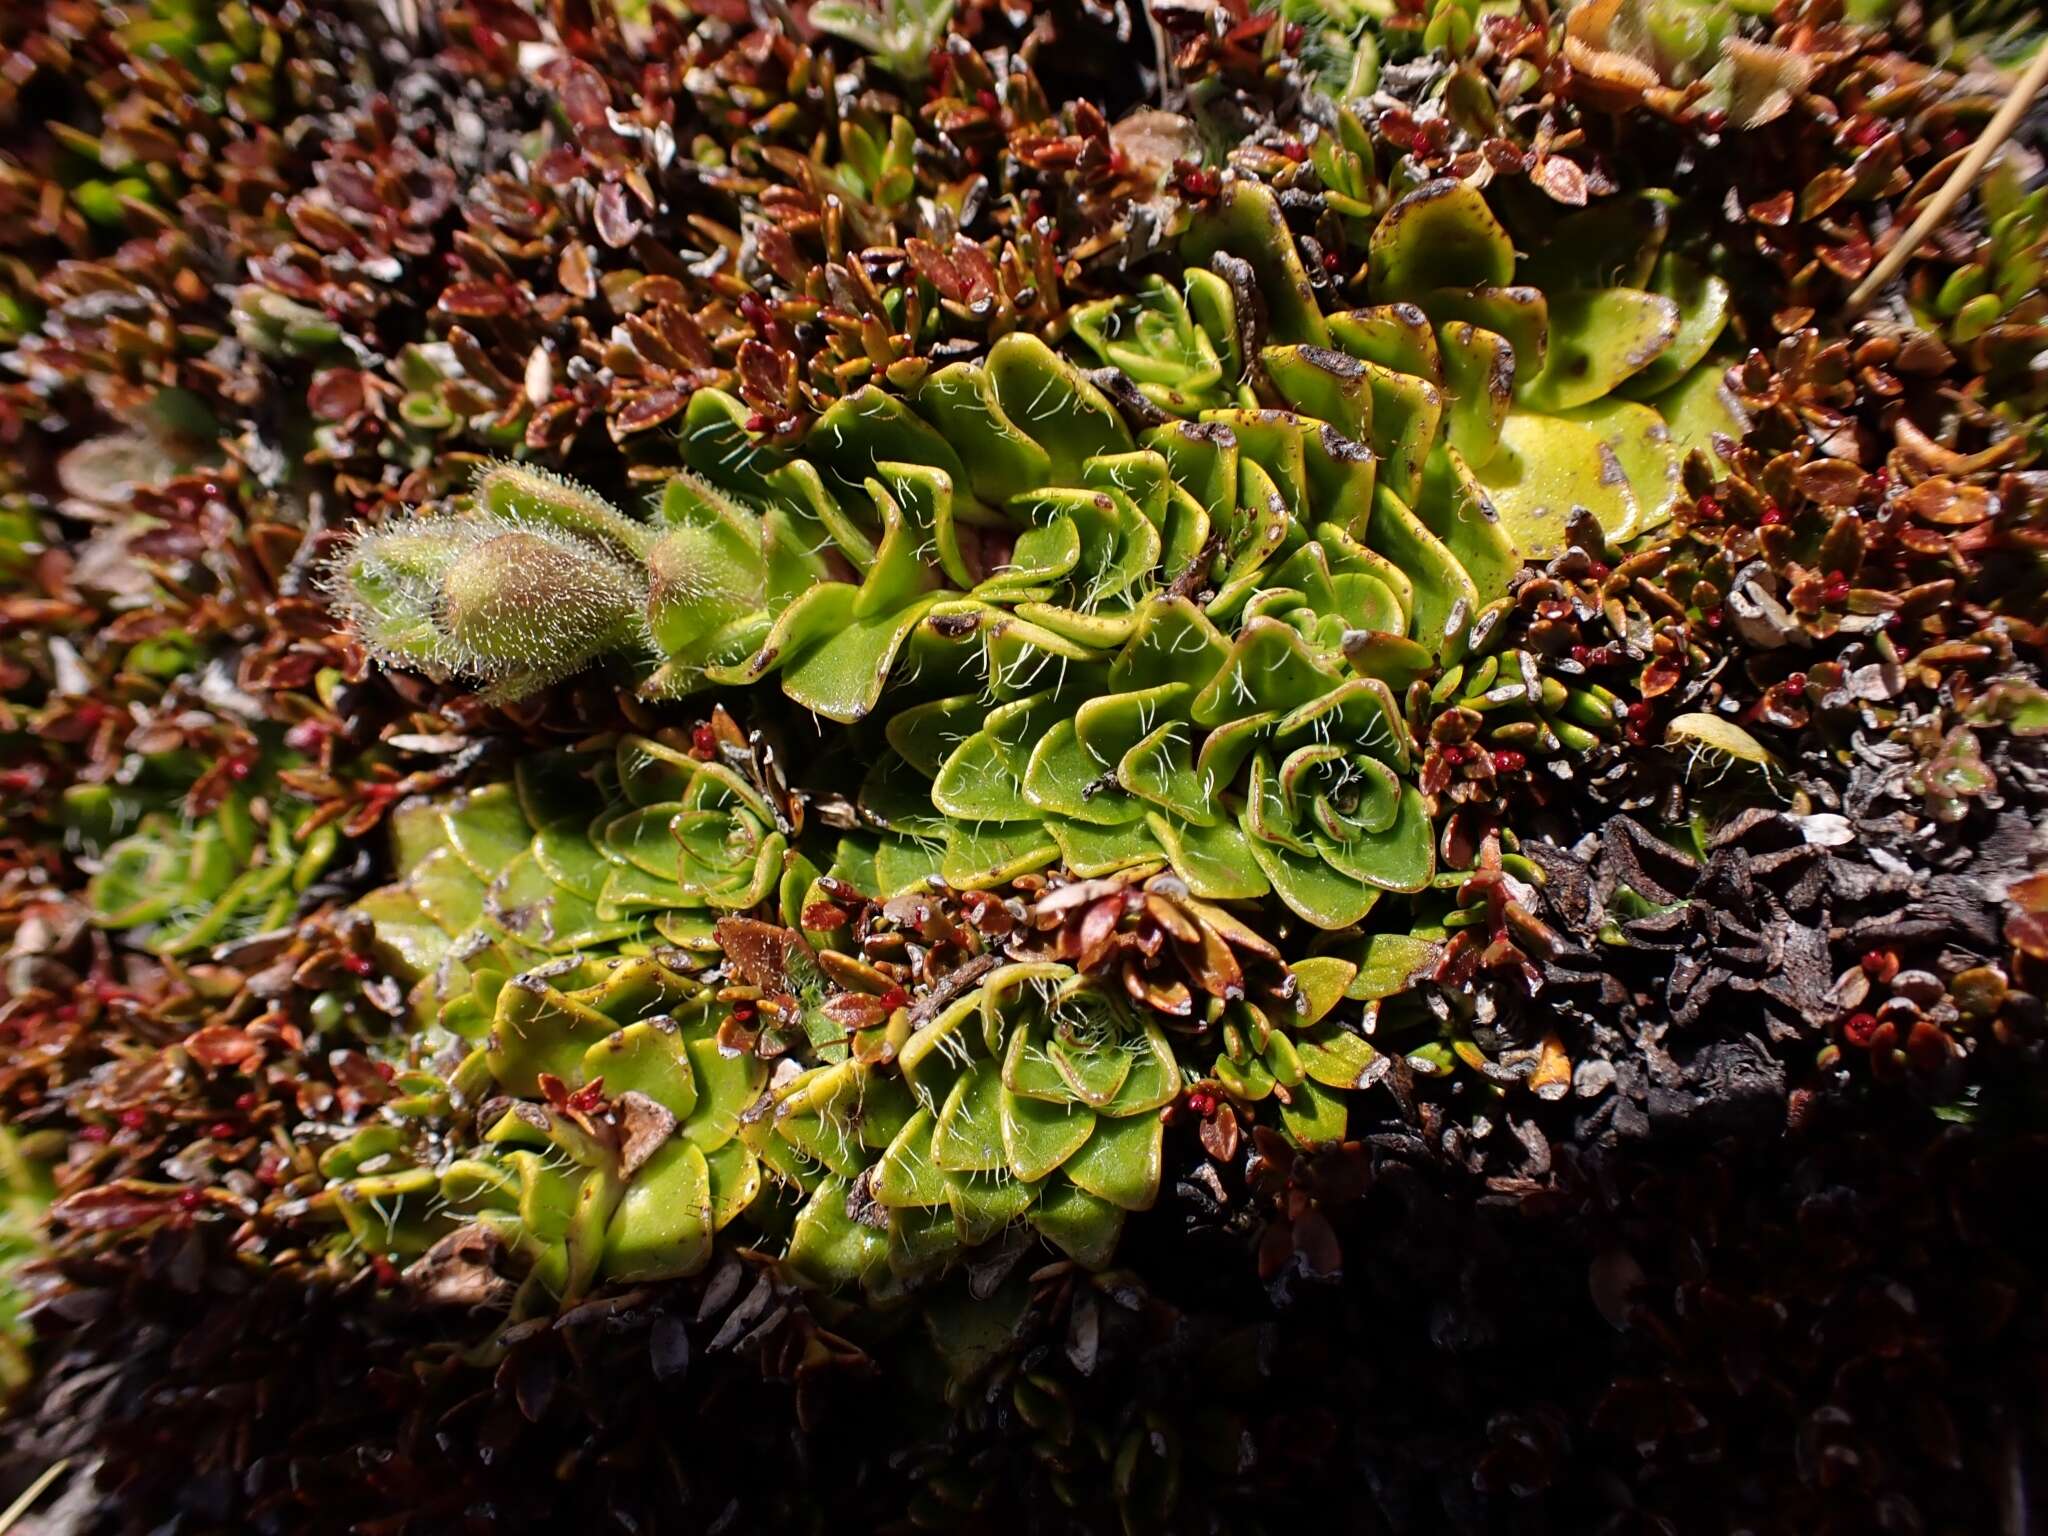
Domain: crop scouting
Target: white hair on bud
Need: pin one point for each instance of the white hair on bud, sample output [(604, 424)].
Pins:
[(428, 594), (505, 488)]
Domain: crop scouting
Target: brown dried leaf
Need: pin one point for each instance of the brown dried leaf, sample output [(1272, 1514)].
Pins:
[(644, 1124)]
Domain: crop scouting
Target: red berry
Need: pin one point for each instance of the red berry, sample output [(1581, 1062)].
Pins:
[(1639, 711), (1454, 754), (1332, 261), (1858, 1028), (1837, 589), (245, 1102), (703, 744), (238, 768), (895, 998), (1875, 961), (1599, 570), (134, 1119), (1579, 653), (1508, 760), (191, 1199), (1796, 682), (221, 1130), (358, 965), (1772, 516)]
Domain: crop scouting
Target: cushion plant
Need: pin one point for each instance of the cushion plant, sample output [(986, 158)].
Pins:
[(1180, 599)]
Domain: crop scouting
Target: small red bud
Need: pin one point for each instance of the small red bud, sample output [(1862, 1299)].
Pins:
[(1859, 1028)]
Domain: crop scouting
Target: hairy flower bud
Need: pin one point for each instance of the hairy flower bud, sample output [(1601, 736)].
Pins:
[(706, 571), (513, 603), (519, 493)]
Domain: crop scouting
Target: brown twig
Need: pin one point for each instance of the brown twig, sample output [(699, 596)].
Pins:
[(1995, 133)]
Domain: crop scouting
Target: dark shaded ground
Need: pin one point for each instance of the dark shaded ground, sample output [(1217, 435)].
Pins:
[(1837, 1331)]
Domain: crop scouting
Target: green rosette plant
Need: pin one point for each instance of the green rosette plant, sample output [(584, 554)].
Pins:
[(1030, 1103), (579, 1084), (1172, 629), (188, 882), (544, 961), (606, 1117), (520, 873), (1210, 594)]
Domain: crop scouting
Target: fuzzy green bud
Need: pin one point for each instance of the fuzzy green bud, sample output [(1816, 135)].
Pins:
[(513, 604), (705, 571), (519, 493)]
